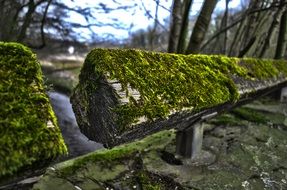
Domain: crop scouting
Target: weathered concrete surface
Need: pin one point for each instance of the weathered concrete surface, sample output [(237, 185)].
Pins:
[(283, 97), (245, 149)]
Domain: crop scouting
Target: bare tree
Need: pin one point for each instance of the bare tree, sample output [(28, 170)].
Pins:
[(175, 26), (153, 36), (9, 10), (273, 25), (225, 21), (281, 41), (201, 26), (28, 21), (220, 44), (251, 23), (181, 46)]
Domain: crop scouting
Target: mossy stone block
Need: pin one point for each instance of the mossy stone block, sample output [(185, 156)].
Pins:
[(105, 166), (122, 89), (254, 158), (28, 127)]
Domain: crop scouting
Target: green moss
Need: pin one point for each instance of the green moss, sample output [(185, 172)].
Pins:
[(155, 141), (227, 119), (166, 82), (52, 181), (59, 84), (121, 167), (264, 68), (28, 126), (281, 66), (250, 115), (148, 182), (171, 82), (254, 156)]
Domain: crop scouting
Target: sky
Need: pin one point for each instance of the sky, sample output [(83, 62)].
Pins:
[(135, 17)]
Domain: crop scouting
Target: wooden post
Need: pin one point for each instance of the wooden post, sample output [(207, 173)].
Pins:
[(283, 96), (197, 137), (189, 142), (283, 101)]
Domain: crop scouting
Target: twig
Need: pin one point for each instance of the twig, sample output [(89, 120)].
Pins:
[(151, 17), (236, 22)]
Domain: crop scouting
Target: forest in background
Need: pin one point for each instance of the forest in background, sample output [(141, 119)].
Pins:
[(256, 28)]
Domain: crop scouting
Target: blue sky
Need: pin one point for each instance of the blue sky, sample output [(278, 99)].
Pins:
[(136, 16)]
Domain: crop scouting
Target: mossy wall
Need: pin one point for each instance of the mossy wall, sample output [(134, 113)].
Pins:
[(105, 166), (171, 82), (28, 127), (245, 149)]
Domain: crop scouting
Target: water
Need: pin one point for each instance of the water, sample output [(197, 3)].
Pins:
[(77, 143)]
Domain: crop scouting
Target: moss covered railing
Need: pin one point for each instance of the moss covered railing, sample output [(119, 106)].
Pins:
[(29, 132), (125, 94)]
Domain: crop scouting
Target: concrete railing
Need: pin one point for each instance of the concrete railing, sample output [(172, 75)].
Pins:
[(30, 134), (125, 95)]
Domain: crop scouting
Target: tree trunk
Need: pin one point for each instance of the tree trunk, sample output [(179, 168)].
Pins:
[(225, 25), (235, 39), (281, 41), (43, 24), (27, 21), (251, 21), (184, 27), (221, 42), (247, 47), (201, 26), (273, 25), (9, 11), (175, 26), (153, 33)]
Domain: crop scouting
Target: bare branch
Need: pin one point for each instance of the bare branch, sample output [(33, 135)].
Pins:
[(237, 22), (167, 9), (151, 17), (273, 25)]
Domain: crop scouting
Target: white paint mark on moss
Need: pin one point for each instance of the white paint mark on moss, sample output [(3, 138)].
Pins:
[(50, 124), (77, 187)]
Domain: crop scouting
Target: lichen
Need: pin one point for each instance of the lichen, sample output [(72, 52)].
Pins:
[(29, 131)]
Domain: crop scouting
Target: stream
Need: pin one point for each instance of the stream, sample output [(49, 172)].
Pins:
[(77, 143)]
